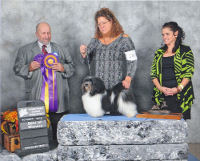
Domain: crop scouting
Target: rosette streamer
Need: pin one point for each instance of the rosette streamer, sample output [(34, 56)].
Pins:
[(49, 85)]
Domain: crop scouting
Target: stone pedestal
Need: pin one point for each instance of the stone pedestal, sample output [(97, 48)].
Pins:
[(82, 137), (7, 156), (124, 152), (46, 156)]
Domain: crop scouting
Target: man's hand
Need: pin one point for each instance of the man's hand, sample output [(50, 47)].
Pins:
[(34, 65), (58, 67)]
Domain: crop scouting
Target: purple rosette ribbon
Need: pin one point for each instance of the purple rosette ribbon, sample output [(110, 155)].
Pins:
[(49, 85), (49, 59), (39, 58)]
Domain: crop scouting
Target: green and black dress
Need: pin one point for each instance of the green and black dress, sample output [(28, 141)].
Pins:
[(170, 71)]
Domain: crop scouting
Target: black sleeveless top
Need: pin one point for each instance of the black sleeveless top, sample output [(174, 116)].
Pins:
[(168, 75)]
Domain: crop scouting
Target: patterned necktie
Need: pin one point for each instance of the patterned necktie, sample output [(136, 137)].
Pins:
[(44, 50)]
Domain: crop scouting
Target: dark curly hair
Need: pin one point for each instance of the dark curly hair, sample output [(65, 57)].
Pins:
[(116, 27), (181, 34)]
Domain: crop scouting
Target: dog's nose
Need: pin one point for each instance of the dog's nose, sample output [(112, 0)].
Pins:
[(87, 83)]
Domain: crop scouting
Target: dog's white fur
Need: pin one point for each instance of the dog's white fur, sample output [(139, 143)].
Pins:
[(128, 109), (92, 104)]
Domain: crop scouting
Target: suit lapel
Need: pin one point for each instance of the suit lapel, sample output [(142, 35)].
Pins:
[(36, 50), (53, 48)]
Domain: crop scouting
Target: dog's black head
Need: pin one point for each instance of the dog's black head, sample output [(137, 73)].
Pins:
[(94, 85)]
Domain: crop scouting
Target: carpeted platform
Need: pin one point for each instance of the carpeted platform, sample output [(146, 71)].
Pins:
[(192, 158)]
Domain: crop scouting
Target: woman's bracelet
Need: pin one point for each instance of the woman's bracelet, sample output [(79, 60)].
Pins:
[(179, 88)]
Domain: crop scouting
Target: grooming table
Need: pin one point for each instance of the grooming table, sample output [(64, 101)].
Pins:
[(82, 137)]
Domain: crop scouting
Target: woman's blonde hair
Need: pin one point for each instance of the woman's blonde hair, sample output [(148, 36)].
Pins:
[(116, 27)]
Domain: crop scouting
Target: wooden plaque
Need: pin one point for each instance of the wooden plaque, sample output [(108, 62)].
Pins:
[(175, 116)]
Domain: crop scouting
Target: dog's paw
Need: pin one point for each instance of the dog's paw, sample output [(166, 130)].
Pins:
[(96, 115), (130, 115)]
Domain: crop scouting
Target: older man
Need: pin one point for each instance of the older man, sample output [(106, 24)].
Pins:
[(36, 76)]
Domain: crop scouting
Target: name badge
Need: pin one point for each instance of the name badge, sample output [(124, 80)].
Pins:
[(131, 55)]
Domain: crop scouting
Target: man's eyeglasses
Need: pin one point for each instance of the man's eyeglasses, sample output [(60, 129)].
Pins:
[(102, 23)]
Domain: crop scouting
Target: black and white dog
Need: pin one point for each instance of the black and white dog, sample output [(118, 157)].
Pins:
[(98, 101)]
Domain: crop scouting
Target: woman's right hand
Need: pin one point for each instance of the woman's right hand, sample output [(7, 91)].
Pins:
[(166, 91), (83, 50)]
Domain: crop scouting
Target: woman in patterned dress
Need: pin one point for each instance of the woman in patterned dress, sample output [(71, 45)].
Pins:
[(111, 53), (171, 72)]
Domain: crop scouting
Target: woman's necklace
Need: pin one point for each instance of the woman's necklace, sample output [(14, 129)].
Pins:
[(106, 42), (167, 53)]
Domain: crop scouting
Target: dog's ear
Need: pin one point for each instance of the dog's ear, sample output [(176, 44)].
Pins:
[(83, 89), (99, 85)]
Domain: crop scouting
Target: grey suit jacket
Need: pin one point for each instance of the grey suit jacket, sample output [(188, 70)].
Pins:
[(33, 81)]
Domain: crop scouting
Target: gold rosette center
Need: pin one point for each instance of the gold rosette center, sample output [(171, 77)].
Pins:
[(50, 61)]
